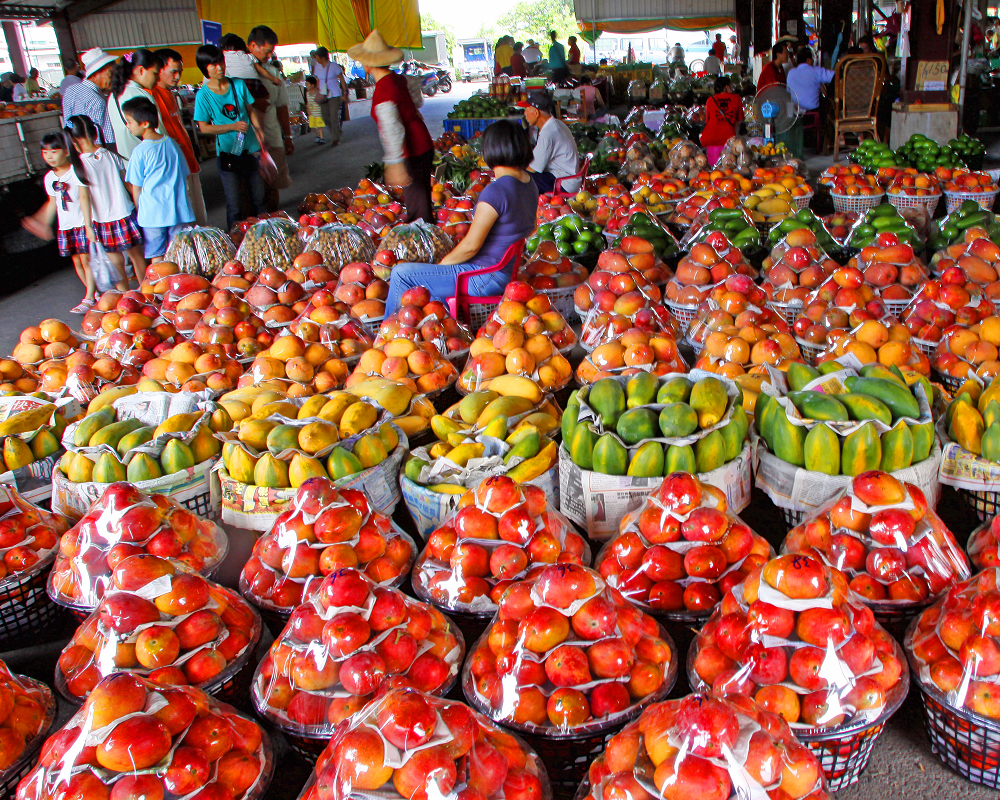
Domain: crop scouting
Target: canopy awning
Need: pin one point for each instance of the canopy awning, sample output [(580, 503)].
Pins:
[(639, 16)]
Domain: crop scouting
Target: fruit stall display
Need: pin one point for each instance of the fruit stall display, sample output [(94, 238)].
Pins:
[(969, 214), (573, 236), (736, 224), (678, 553), (640, 226), (26, 717), (419, 366), (961, 185), (707, 264), (273, 242), (200, 251), (970, 440), (163, 621), (796, 638), (705, 746), (199, 745), (796, 265), (881, 219), (420, 319), (345, 645)]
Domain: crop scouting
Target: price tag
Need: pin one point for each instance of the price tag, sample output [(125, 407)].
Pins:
[(932, 76)]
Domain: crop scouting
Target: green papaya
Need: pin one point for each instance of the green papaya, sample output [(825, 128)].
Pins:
[(678, 420), (647, 462), (862, 451), (413, 467), (818, 406), (607, 398), (897, 448), (113, 433), (710, 451), (821, 450), (641, 389), (923, 440), (81, 469), (898, 399), (676, 390), (991, 413), (799, 375), (709, 399), (829, 367), (108, 469), (759, 407), (862, 406), (991, 442), (735, 433), (91, 424), (569, 419), (143, 467), (44, 444), (789, 439), (176, 456), (637, 425), (610, 456), (680, 458), (581, 448), (270, 472), (281, 438), (527, 447), (341, 463), (135, 438)]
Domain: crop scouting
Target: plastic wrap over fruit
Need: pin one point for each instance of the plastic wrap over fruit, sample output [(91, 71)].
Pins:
[(796, 639), (324, 530), (703, 747), (200, 251), (502, 532), (360, 289), (125, 522), (882, 341), (567, 655), (161, 620), (27, 711), (413, 745), (421, 319), (708, 263), (418, 242), (732, 306), (136, 738), (737, 155), (613, 277), (633, 351), (418, 365), (953, 646), (984, 545), (271, 242), (796, 265), (735, 224), (350, 642), (681, 550), (29, 536), (686, 155), (341, 244), (977, 258), (882, 535)]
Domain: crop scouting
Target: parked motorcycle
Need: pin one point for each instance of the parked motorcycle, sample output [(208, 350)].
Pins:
[(444, 81), (428, 76)]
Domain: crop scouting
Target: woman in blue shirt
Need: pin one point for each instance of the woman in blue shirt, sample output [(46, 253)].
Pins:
[(505, 214)]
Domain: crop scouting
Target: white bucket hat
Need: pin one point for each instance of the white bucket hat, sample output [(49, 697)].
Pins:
[(94, 60)]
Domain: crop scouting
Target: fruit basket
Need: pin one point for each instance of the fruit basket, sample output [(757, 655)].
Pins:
[(161, 620), (422, 320), (348, 643), (603, 661), (772, 638), (29, 712), (207, 746), (29, 539), (855, 203), (273, 242), (979, 187)]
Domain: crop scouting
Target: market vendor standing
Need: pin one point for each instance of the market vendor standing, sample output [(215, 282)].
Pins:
[(408, 150), (723, 114)]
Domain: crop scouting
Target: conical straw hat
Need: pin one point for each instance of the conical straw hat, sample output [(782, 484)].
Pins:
[(374, 52)]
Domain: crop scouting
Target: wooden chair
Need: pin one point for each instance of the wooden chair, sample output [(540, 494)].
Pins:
[(857, 88)]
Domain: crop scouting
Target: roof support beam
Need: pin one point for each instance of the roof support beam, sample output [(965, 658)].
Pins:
[(81, 9), (10, 12)]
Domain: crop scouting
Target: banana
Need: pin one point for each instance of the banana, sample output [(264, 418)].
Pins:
[(516, 386)]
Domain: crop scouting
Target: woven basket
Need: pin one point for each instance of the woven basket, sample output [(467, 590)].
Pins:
[(810, 351), (915, 201), (802, 201), (561, 300), (788, 311), (954, 199), (857, 203)]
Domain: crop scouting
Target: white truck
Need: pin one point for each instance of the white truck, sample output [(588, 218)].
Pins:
[(473, 59)]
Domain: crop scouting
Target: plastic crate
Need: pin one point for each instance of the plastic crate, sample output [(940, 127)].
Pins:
[(810, 351), (561, 300), (802, 201), (788, 311), (684, 314), (856, 203), (27, 613), (468, 128), (963, 741), (911, 201)]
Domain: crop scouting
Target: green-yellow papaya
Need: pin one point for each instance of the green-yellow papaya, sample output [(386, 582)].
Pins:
[(176, 456), (678, 420), (143, 467), (647, 462), (710, 452), (821, 450), (897, 448), (861, 451), (610, 456), (680, 458), (108, 469), (641, 390)]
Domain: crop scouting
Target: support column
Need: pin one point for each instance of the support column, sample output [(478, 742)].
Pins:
[(18, 62), (761, 25), (64, 37), (834, 15)]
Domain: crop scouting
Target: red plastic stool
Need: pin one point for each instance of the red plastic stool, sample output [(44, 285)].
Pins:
[(581, 175), (472, 310)]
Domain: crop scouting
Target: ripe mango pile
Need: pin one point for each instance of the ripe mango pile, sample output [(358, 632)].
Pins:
[(877, 422), (646, 426), (973, 419)]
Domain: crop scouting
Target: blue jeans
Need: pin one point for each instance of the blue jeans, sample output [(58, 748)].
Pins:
[(545, 181), (440, 280), (232, 187)]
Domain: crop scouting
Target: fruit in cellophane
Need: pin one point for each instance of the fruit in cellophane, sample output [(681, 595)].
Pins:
[(795, 266), (689, 749), (50, 339), (975, 260), (850, 180), (708, 263), (891, 266), (681, 550), (422, 747), (125, 522), (342, 335), (322, 531), (199, 747), (360, 289), (276, 296), (687, 210), (27, 709), (422, 320), (633, 351), (161, 620), (454, 217), (566, 652), (984, 545), (418, 365), (874, 341), (964, 181), (522, 338), (954, 645), (843, 301), (348, 643), (964, 351), (502, 532), (28, 535), (911, 183), (880, 533), (722, 180), (608, 277), (548, 271), (796, 639)]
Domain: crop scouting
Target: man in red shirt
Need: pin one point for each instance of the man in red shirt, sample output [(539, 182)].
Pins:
[(574, 51), (408, 150), (518, 66), (719, 48), (774, 70)]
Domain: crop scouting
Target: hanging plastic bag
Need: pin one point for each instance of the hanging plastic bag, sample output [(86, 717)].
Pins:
[(105, 276)]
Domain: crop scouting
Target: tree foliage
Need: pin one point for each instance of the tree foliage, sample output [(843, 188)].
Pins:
[(533, 19)]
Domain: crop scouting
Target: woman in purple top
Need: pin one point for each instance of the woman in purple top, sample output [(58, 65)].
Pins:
[(504, 214)]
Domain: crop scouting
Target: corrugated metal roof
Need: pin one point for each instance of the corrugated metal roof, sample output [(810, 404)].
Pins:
[(598, 10), (140, 23)]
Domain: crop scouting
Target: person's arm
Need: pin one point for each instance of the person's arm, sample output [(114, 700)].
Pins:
[(265, 75), (88, 221), (393, 135), (135, 191), (255, 121), (826, 75), (209, 129), (482, 223), (40, 223)]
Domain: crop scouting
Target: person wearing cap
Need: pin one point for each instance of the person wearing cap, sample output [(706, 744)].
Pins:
[(407, 146), (774, 70), (555, 154), (89, 96)]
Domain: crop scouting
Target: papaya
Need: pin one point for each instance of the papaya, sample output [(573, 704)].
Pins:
[(862, 407), (357, 419), (898, 399), (637, 425), (132, 440), (472, 405), (413, 467), (569, 419), (91, 424), (610, 455), (544, 422), (647, 462), (883, 372), (678, 420), (734, 434), (312, 406), (581, 448), (16, 453), (301, 468), (789, 439), (389, 437), (897, 448), (340, 463), (676, 390), (108, 469), (44, 444), (861, 452), (464, 453), (923, 440), (176, 456), (709, 399), (992, 413), (641, 389), (237, 410), (439, 449), (991, 442), (991, 392), (829, 367), (271, 472), (178, 423), (679, 458), (710, 452), (538, 465), (760, 407), (818, 406), (800, 375), (338, 403), (143, 467), (607, 399), (113, 433), (370, 451), (315, 436), (81, 468), (959, 399), (281, 438), (59, 424), (240, 465), (64, 462), (967, 427), (204, 445), (253, 432), (821, 450)]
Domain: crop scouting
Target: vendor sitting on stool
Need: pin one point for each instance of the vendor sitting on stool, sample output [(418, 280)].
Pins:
[(555, 148), (505, 214), (723, 114)]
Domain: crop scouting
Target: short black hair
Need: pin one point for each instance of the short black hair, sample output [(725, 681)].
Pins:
[(505, 144), (722, 83), (208, 54), (262, 35), (777, 50), (803, 55), (311, 79), (142, 109), (231, 41), (321, 52), (167, 55), (518, 46)]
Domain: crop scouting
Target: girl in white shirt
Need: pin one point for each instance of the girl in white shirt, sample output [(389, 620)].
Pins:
[(115, 226), (134, 75), (69, 202)]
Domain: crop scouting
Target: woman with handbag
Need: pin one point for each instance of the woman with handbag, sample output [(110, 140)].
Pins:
[(224, 108), (134, 75)]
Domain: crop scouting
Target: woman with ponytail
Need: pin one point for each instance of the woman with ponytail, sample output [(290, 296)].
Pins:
[(134, 75)]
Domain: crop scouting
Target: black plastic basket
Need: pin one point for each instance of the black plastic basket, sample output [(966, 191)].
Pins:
[(308, 747), (26, 610), (896, 617), (275, 620), (986, 505), (844, 756), (792, 517), (965, 742), (567, 760)]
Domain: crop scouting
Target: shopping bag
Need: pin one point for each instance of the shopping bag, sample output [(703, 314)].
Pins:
[(105, 276)]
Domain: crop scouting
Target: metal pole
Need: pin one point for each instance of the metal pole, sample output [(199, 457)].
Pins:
[(966, 25)]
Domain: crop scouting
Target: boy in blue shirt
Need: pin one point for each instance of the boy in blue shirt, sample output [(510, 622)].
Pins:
[(156, 175)]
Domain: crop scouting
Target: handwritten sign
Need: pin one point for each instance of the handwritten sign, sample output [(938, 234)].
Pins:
[(932, 76)]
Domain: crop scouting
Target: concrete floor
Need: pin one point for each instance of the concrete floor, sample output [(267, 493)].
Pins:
[(902, 764)]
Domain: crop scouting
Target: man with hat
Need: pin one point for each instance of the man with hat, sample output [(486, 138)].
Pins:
[(407, 146), (89, 96), (555, 154)]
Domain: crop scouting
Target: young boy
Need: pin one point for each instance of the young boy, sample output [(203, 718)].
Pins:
[(156, 175)]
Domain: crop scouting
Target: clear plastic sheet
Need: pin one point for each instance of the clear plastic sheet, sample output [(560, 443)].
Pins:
[(418, 242), (200, 251)]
